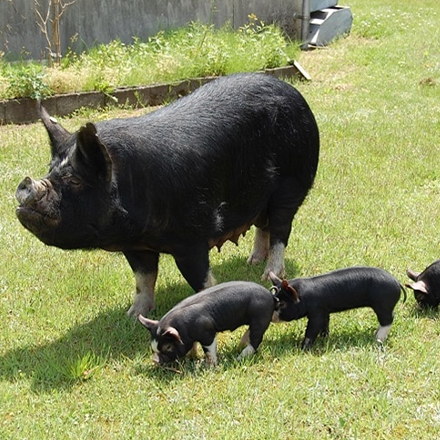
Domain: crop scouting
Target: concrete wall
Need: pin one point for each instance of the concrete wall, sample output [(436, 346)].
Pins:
[(89, 22)]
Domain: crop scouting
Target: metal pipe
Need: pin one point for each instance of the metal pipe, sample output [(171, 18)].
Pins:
[(305, 24)]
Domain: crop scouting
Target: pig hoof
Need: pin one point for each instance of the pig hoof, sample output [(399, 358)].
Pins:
[(248, 351), (141, 306), (256, 258), (279, 271)]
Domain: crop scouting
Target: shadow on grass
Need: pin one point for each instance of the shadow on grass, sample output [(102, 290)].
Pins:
[(338, 340), (88, 346), (71, 358), (273, 347)]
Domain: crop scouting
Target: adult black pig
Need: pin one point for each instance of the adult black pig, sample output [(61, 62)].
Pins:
[(239, 151)]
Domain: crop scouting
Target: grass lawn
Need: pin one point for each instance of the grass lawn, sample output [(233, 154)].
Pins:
[(74, 366)]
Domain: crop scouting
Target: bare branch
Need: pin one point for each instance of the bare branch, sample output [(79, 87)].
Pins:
[(42, 22), (55, 9), (64, 6)]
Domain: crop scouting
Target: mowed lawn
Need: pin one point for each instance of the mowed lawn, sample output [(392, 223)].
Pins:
[(74, 366)]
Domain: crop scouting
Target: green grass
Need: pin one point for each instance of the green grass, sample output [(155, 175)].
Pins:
[(72, 365), (193, 51)]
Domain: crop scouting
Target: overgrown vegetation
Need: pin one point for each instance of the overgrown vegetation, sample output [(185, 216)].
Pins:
[(73, 366), (193, 51)]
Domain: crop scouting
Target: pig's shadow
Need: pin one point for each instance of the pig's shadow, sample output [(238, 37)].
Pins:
[(340, 339), (111, 334)]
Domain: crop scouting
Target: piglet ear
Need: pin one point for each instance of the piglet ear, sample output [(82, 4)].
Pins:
[(148, 323), (290, 289), (413, 275), (419, 286), (172, 333), (275, 280)]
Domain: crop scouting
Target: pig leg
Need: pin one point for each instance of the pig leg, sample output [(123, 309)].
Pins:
[(245, 339), (317, 324), (194, 266), (211, 353), (385, 321), (382, 333), (260, 250), (254, 336), (281, 210), (275, 261), (326, 329), (144, 265), (248, 348)]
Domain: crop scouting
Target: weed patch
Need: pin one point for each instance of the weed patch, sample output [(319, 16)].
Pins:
[(194, 51)]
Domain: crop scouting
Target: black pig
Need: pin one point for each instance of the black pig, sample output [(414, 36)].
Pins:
[(343, 289), (239, 151), (200, 317), (426, 285)]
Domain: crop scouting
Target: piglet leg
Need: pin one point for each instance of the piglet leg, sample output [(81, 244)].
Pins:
[(382, 333), (248, 350), (211, 353), (317, 324)]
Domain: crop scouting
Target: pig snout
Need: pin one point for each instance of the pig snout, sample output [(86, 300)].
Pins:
[(30, 191)]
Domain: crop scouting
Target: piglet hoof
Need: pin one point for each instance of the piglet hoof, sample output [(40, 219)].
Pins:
[(382, 333), (211, 361), (142, 306), (248, 351), (380, 345), (307, 344)]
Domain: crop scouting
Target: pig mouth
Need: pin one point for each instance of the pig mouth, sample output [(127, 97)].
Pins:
[(36, 221)]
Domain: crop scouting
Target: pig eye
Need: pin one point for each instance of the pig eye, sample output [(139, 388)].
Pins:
[(167, 348), (73, 182)]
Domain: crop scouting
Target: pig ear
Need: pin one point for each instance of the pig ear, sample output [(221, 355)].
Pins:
[(290, 289), (57, 134), (274, 279), (413, 275), (92, 153), (172, 333), (420, 286), (148, 323)]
